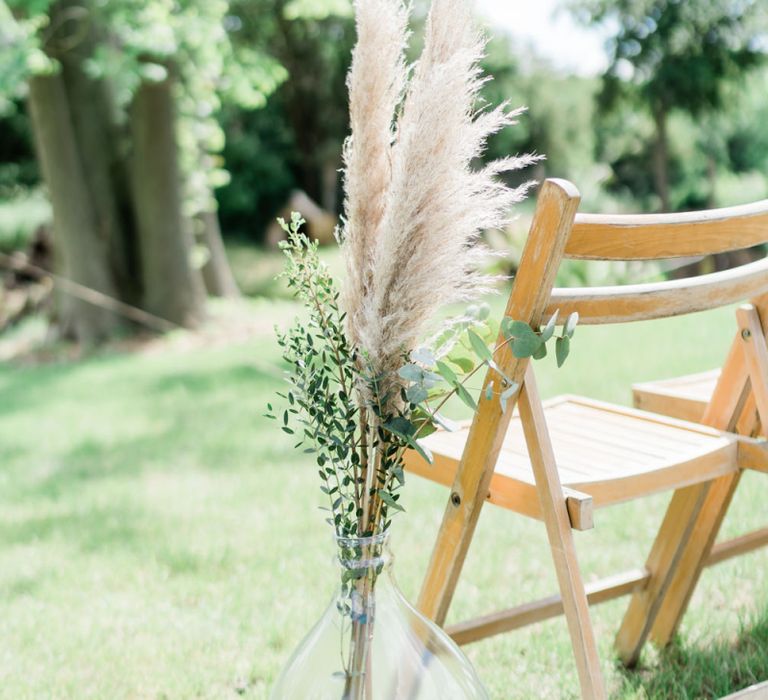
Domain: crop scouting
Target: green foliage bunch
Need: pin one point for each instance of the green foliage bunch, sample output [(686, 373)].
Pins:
[(295, 141), (680, 54), (21, 54), (323, 407), (333, 399)]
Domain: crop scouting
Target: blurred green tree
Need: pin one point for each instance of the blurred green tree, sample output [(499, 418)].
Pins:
[(559, 121), (295, 141), (123, 97), (669, 55)]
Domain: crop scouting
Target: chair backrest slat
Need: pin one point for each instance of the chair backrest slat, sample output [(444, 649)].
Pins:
[(661, 236), (642, 302), (645, 237)]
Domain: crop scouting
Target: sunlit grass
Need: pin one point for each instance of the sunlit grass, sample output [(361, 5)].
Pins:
[(160, 539)]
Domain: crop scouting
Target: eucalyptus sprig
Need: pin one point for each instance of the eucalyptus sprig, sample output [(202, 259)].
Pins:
[(433, 381)]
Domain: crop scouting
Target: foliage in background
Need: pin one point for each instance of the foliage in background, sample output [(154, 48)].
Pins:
[(124, 99), (18, 169), (295, 141), (142, 42), (669, 56), (20, 218)]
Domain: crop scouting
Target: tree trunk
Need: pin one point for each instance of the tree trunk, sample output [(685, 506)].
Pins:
[(661, 157), (81, 250), (173, 289), (330, 200), (99, 142), (217, 273)]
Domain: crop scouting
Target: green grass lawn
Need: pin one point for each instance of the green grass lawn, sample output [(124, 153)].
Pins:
[(160, 539)]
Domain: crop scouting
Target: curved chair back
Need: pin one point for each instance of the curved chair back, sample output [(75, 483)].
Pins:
[(664, 236)]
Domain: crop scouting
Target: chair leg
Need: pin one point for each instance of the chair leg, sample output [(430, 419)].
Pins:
[(682, 545), (696, 553), (448, 555), (560, 534)]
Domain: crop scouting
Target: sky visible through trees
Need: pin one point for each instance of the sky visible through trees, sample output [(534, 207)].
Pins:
[(551, 29)]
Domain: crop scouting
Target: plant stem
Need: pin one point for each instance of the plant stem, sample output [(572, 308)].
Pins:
[(363, 476)]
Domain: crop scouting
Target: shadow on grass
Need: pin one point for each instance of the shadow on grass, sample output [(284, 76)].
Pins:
[(687, 671)]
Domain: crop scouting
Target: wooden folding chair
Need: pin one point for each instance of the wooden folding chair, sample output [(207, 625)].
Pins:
[(559, 460)]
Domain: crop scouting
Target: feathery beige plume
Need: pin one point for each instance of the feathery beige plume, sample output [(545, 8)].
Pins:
[(376, 83), (424, 253)]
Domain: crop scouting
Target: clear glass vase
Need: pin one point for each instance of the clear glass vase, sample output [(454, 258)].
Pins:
[(371, 644)]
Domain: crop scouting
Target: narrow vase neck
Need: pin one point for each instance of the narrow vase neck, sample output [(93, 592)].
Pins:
[(362, 556)]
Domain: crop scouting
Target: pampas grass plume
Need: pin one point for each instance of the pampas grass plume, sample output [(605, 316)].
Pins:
[(415, 206)]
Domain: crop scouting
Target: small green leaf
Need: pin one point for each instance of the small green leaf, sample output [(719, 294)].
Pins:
[(526, 347), (520, 330), (411, 373), (563, 348), (401, 427), (526, 341), (416, 394), (406, 430), (447, 373), (430, 379), (541, 353), (426, 428), (549, 329), (466, 397), (479, 346), (571, 323), (465, 364), (390, 501)]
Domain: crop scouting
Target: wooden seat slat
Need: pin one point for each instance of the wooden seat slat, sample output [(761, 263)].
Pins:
[(646, 438), (596, 460), (684, 397), (571, 436)]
